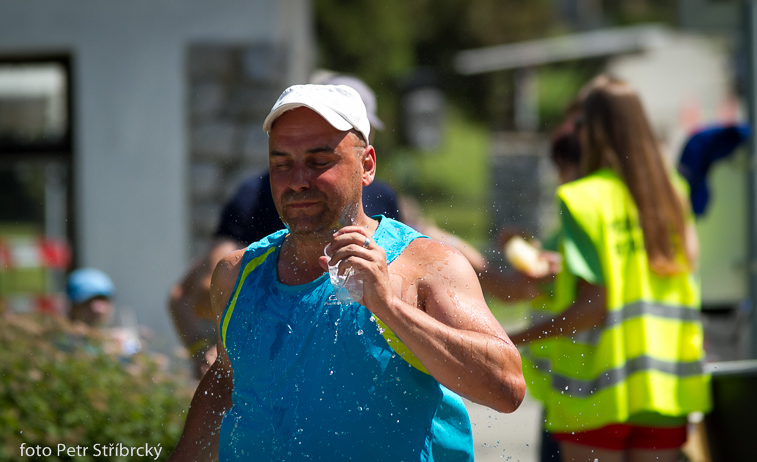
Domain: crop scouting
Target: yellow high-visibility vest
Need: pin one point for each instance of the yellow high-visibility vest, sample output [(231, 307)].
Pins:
[(648, 356)]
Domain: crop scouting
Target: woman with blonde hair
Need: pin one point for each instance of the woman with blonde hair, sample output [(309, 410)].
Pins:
[(623, 365)]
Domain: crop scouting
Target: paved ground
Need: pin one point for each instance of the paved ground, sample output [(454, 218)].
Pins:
[(511, 437)]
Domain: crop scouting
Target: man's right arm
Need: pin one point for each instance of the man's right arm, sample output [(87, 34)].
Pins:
[(189, 303), (199, 440)]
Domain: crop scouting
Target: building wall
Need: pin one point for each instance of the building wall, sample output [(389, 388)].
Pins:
[(684, 83), (131, 132), (722, 18), (231, 91)]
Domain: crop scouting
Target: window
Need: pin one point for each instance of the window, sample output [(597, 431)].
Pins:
[(35, 181)]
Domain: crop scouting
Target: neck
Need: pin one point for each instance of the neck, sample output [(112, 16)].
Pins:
[(300, 253)]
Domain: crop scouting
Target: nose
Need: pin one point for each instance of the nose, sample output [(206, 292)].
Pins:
[(300, 178)]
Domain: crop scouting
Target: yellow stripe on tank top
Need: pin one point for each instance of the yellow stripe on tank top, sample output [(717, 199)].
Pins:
[(398, 347), (249, 268)]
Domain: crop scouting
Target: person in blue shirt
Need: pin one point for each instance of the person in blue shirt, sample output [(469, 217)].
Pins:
[(247, 217), (304, 373)]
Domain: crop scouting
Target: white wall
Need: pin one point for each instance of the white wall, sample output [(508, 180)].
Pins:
[(690, 73), (130, 140)]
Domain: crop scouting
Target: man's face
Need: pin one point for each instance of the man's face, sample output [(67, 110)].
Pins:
[(95, 311), (317, 172)]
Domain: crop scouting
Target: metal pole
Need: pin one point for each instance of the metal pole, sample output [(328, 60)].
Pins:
[(526, 99), (750, 48)]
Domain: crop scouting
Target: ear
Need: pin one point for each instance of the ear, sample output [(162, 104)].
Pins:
[(369, 165)]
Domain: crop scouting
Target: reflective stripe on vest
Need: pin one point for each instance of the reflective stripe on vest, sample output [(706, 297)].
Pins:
[(583, 388), (630, 311)]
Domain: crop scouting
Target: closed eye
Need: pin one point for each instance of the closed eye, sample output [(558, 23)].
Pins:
[(321, 163), (280, 163)]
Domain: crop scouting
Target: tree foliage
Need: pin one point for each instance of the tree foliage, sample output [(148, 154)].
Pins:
[(382, 42)]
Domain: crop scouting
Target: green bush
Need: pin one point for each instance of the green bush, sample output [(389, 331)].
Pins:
[(63, 384)]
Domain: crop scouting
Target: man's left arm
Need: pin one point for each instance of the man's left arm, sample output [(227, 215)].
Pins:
[(455, 335), (450, 329)]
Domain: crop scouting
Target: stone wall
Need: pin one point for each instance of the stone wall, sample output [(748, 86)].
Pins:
[(232, 88)]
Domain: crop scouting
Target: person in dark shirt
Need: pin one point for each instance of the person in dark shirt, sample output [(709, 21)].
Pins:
[(247, 217)]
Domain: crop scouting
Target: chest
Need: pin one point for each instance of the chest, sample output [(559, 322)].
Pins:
[(300, 333)]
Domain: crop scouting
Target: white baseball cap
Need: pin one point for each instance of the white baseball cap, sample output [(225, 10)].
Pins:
[(340, 105), (365, 92)]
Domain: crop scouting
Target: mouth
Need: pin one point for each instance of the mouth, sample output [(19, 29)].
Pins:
[(301, 205)]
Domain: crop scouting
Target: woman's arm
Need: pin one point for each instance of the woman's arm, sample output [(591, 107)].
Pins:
[(587, 312)]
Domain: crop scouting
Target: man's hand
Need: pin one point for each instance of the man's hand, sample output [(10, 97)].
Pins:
[(354, 248)]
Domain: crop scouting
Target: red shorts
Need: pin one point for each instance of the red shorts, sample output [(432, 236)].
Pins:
[(622, 436)]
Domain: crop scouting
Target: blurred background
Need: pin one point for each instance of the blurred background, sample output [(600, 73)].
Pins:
[(125, 126)]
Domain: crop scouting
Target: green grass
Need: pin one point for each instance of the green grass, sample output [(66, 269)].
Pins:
[(450, 183)]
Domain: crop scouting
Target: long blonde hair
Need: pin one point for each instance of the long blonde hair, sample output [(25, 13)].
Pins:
[(618, 135)]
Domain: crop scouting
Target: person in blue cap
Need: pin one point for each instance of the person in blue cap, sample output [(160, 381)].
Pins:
[(90, 292)]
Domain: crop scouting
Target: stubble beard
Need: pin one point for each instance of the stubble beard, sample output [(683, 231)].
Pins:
[(321, 226), (338, 211)]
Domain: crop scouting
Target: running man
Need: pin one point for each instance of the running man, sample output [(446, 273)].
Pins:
[(302, 375)]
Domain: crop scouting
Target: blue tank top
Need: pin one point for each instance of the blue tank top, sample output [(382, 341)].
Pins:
[(315, 379)]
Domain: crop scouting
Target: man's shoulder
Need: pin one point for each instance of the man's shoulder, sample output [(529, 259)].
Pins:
[(254, 254), (233, 261), (265, 244), (230, 263), (434, 249), (432, 256), (224, 279)]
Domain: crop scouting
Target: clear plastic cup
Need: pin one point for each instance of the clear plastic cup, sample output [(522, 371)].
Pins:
[(347, 287)]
